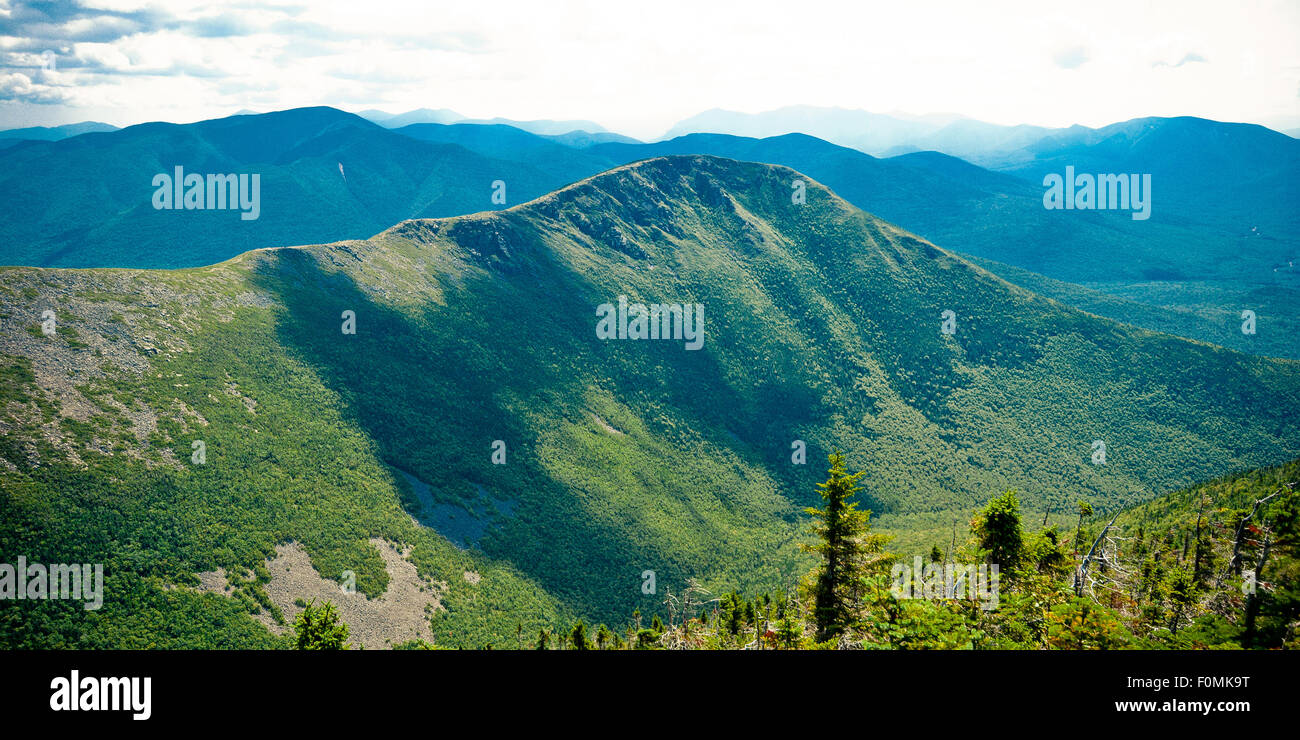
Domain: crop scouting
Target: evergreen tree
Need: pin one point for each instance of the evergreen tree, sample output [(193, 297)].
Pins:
[(732, 614), (842, 530), (1045, 551), (579, 636), (788, 630), (319, 628), (997, 526), (1085, 510), (1183, 592)]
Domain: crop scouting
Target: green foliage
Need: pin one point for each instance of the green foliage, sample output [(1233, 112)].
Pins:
[(319, 628), (309, 431), (16, 378), (578, 637), (1045, 552), (789, 630), (415, 645), (1081, 624), (999, 532), (842, 530), (1085, 511), (920, 624), (1136, 271), (389, 178), (1183, 551)]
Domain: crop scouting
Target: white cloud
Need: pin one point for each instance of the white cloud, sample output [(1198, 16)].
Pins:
[(639, 67)]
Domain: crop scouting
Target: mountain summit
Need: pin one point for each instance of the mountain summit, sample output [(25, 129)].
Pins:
[(443, 385)]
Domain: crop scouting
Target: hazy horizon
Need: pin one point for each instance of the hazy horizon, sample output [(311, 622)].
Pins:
[(902, 115), (638, 72)]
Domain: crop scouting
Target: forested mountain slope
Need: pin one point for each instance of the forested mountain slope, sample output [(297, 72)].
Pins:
[(821, 324)]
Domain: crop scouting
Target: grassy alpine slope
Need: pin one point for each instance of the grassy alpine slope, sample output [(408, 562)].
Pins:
[(822, 324)]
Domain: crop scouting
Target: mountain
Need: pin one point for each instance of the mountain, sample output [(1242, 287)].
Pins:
[(1196, 253), (1020, 149), (476, 405), (422, 115), (379, 116), (499, 141), (444, 116), (869, 132), (1229, 175), (1231, 188), (52, 133), (985, 144), (947, 200), (324, 175), (584, 139), (879, 134), (1190, 269), (544, 127), (1224, 242)]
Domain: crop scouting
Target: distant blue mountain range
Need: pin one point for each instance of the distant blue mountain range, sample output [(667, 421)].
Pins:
[(1223, 236)]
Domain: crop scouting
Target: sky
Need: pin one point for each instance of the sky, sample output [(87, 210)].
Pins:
[(639, 67)]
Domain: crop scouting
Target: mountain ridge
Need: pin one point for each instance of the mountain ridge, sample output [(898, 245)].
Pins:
[(822, 324), (1198, 262)]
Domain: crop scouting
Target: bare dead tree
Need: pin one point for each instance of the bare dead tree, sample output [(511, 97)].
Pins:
[(696, 596), (1081, 573), (1200, 519), (1110, 574), (670, 602), (1253, 600), (1234, 566)]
